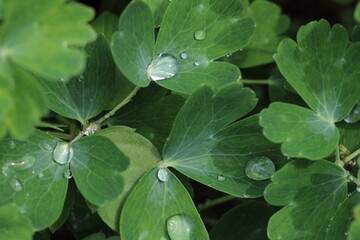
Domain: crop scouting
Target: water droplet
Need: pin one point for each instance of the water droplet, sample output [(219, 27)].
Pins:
[(163, 174), (63, 153), (163, 66), (221, 178), (15, 185), (67, 174), (179, 227), (197, 64), (47, 147), (80, 78), (40, 175), (12, 144), (229, 55), (184, 55), (259, 168), (199, 35), (92, 128), (25, 162), (358, 189)]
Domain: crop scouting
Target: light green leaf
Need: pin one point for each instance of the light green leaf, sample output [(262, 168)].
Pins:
[(37, 39), (340, 222), (203, 146), (270, 24), (354, 232), (164, 206), (133, 45), (323, 68), (142, 156), (97, 169), (246, 221), (106, 23), (357, 13), (302, 132), (309, 191), (86, 95), (32, 179), (152, 112), (158, 7), (14, 226)]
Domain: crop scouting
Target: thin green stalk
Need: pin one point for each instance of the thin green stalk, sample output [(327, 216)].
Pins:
[(351, 156), (120, 105), (338, 160), (214, 202), (255, 81)]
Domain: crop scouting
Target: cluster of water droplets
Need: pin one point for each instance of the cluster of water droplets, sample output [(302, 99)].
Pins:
[(179, 227), (259, 168)]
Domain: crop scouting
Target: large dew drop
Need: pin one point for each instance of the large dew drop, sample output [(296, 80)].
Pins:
[(163, 174), (259, 168), (163, 66), (179, 227), (200, 35), (63, 153), (15, 185)]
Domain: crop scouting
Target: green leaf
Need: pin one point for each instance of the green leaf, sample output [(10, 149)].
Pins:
[(37, 39), (97, 169), (357, 13), (23, 107), (270, 24), (158, 7), (340, 222), (302, 132), (350, 135), (14, 226), (354, 232), (133, 45), (155, 207), (309, 191), (203, 146), (152, 112), (246, 221), (323, 68), (32, 179), (96, 236), (142, 156), (106, 23), (354, 115), (86, 95)]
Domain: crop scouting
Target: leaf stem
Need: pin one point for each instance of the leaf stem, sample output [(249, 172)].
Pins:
[(213, 202), (255, 81), (123, 102), (351, 156)]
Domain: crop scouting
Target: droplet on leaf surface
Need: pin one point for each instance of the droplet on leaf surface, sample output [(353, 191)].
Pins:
[(199, 35), (184, 55), (15, 185), (25, 162), (179, 227), (63, 153), (12, 144), (163, 174), (221, 178), (163, 66), (259, 168), (67, 174)]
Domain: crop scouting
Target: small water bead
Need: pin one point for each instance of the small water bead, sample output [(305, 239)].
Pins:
[(163, 174), (179, 227), (229, 55), (25, 162), (221, 178), (92, 128), (259, 168), (47, 147), (200, 35), (12, 144), (63, 153), (67, 174), (184, 55), (197, 64), (15, 185), (80, 78), (40, 175), (163, 66)]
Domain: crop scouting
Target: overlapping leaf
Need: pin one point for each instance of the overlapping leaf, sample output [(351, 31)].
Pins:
[(354, 232), (86, 95), (323, 68), (205, 146), (223, 29), (142, 156), (158, 8), (157, 208), (309, 191)]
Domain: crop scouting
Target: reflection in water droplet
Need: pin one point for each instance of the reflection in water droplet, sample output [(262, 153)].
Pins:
[(12, 144), (92, 128), (47, 147), (221, 178), (184, 55), (63, 152), (40, 175), (163, 174), (179, 227), (25, 162), (199, 35), (229, 55), (80, 78), (67, 174), (15, 185), (259, 168), (163, 66), (197, 64)]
